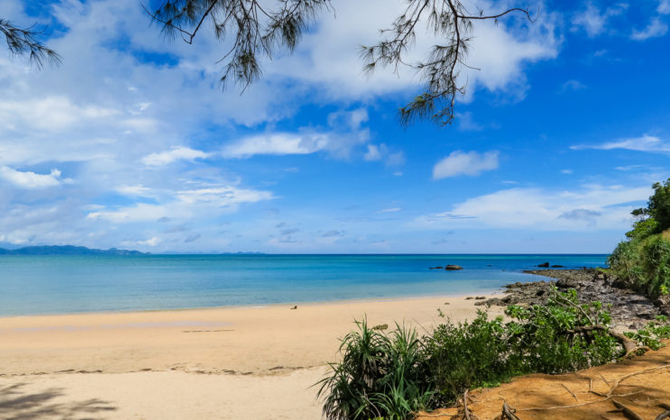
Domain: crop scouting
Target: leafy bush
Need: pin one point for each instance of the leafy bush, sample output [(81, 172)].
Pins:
[(469, 355), (557, 338), (643, 264), (380, 376), (389, 376), (651, 333), (643, 261)]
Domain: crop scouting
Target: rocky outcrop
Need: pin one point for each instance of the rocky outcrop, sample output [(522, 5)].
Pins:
[(453, 267), (628, 309), (663, 304)]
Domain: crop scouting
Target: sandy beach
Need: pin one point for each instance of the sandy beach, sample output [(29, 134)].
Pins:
[(221, 363)]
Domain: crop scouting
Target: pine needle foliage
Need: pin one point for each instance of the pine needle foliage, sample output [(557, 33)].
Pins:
[(258, 29), (25, 42)]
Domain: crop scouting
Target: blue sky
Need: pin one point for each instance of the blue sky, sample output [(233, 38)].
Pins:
[(131, 143)]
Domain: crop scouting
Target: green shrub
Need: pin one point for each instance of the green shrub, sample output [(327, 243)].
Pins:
[(468, 355), (390, 376), (554, 339), (651, 333), (380, 376), (643, 265)]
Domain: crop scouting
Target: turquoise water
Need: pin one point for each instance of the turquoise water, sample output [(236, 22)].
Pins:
[(71, 284)]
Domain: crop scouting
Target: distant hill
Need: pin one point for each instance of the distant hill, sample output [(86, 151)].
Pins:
[(66, 250)]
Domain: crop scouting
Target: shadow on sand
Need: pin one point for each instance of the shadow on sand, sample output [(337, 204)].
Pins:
[(17, 404)]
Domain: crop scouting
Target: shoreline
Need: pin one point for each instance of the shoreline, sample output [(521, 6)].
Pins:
[(266, 340), (486, 292)]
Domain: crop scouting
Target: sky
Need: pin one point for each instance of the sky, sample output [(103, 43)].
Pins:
[(132, 143)]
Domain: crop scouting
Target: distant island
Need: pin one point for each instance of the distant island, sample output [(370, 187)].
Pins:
[(67, 250)]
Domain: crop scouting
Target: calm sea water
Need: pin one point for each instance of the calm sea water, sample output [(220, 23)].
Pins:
[(69, 284)]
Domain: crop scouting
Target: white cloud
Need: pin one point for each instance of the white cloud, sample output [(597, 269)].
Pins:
[(276, 144), (140, 212), (173, 155), (184, 205), (353, 120), (501, 53), (53, 113), (466, 122), (223, 196), (572, 85), (344, 133), (655, 29), (373, 153), (663, 7), (382, 152), (30, 180), (593, 21), (151, 242), (592, 206), (567, 171), (390, 210), (462, 163), (645, 143), (327, 58), (134, 190)]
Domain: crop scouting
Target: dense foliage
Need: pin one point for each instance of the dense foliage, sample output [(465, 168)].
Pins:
[(389, 376), (642, 262)]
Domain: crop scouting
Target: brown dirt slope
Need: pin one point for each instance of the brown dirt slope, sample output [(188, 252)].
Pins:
[(640, 384)]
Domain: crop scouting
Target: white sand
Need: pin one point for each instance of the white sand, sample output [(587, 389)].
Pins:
[(223, 363)]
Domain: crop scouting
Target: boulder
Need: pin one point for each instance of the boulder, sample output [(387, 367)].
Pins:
[(436, 268), (557, 266), (543, 265), (453, 267), (663, 303)]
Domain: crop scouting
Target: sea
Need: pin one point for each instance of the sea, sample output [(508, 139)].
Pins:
[(59, 284)]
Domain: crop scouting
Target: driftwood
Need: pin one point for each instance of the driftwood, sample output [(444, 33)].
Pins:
[(632, 415), (630, 346), (467, 414), (571, 393), (508, 413)]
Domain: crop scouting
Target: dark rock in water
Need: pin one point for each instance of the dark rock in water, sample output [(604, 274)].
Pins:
[(543, 265), (556, 266), (453, 267), (489, 265), (436, 268)]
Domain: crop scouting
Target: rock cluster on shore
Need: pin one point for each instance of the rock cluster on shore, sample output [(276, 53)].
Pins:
[(629, 310)]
